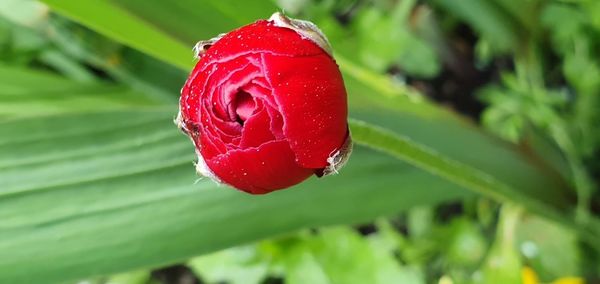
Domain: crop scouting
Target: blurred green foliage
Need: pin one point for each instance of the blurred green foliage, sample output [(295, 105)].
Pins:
[(531, 69)]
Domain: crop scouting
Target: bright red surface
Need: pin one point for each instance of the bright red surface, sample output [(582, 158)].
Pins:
[(265, 107)]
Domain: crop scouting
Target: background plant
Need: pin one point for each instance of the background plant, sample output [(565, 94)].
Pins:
[(95, 179)]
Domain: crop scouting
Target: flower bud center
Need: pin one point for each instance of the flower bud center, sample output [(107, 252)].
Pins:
[(244, 106)]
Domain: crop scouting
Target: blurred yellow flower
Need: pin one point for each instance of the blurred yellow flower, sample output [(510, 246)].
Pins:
[(530, 277), (569, 280)]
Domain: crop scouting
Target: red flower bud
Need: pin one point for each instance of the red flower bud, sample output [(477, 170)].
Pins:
[(266, 106)]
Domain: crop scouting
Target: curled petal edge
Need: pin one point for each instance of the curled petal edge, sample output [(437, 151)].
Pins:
[(306, 29), (203, 169), (202, 46), (179, 122), (201, 166), (338, 158)]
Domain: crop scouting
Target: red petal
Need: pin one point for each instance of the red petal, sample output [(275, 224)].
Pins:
[(312, 99), (256, 129), (244, 106), (260, 37), (259, 170), (294, 122)]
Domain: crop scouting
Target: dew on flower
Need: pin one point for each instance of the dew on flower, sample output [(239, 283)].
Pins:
[(231, 138)]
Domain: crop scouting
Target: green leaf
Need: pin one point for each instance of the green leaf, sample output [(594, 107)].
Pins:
[(452, 147), (95, 193), (135, 22), (465, 244), (79, 191), (132, 277), (92, 193), (117, 23), (27, 93), (385, 40), (301, 265), (346, 257), (488, 18), (326, 255), (237, 265), (541, 241), (372, 98), (434, 162)]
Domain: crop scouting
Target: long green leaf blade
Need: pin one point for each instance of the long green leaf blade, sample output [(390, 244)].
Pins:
[(372, 98), (75, 201)]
